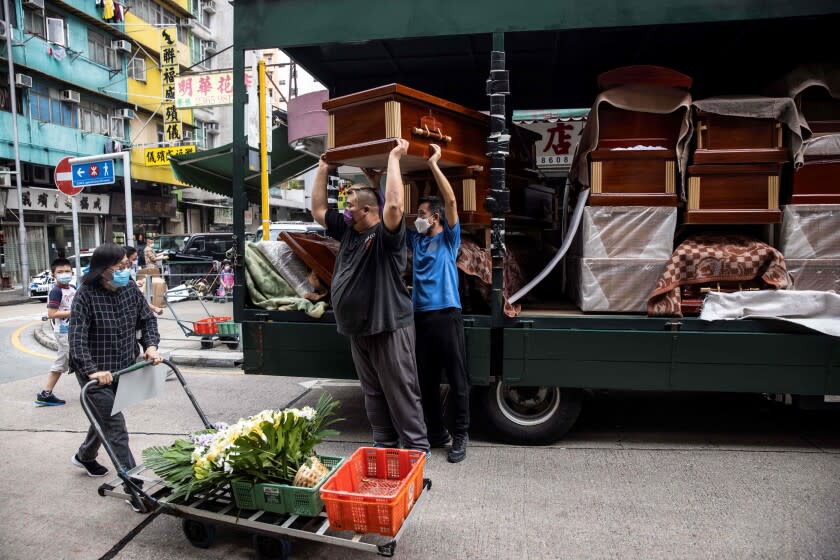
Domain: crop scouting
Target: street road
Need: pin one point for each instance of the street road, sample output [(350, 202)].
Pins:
[(641, 476)]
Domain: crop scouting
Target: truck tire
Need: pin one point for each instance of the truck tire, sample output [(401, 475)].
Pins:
[(531, 415)]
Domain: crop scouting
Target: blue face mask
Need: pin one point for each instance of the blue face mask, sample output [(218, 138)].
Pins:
[(120, 278), (64, 278)]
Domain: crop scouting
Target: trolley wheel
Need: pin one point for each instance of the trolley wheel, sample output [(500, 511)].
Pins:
[(531, 415), (272, 548), (200, 535), (206, 343)]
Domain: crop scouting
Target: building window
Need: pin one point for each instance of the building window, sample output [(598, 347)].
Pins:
[(56, 30), (160, 135), (6, 95), (137, 68), (206, 19), (100, 51), (95, 118), (12, 14), (33, 22), (200, 135), (45, 105), (196, 50)]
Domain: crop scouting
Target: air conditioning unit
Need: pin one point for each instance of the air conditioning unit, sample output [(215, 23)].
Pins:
[(22, 80), (186, 23), (187, 135), (126, 114), (3, 31), (33, 4), (70, 96), (211, 127), (121, 45), (209, 6), (210, 46), (5, 177)]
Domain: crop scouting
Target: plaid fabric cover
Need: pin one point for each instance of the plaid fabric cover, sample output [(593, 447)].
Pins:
[(705, 259), (475, 261)]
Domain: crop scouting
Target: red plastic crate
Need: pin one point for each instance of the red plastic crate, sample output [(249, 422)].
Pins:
[(209, 325), (374, 490)]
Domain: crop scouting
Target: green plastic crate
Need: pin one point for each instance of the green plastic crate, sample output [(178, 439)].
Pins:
[(284, 498), (228, 328)]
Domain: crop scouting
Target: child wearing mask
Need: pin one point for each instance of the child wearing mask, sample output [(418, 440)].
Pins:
[(58, 311)]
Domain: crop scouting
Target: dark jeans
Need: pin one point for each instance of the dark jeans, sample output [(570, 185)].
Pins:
[(101, 397), (441, 348), (388, 375)]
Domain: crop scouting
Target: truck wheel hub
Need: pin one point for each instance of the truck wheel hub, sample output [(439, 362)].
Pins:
[(527, 406)]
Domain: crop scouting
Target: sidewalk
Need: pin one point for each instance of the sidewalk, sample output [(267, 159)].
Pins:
[(182, 350), (13, 297)]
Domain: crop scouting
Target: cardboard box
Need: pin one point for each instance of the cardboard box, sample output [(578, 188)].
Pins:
[(158, 291)]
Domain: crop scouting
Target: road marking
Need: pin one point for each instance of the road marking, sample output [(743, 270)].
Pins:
[(21, 318), (16, 342)]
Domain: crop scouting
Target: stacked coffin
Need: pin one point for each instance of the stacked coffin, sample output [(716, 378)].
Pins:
[(740, 150), (633, 145), (363, 128), (810, 242), (618, 255)]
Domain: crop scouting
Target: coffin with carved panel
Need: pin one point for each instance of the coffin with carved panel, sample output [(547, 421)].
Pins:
[(363, 128)]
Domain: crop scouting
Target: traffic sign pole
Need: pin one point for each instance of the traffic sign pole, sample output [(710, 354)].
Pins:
[(126, 158), (76, 245)]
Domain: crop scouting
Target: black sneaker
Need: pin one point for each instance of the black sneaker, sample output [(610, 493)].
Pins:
[(93, 468), (43, 399), (459, 449), (441, 441), (136, 504)]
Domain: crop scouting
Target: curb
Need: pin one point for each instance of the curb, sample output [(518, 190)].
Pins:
[(47, 340), (13, 300)]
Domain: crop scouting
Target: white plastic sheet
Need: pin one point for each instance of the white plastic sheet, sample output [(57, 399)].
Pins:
[(811, 231), (815, 274), (613, 285), (290, 266), (627, 232)]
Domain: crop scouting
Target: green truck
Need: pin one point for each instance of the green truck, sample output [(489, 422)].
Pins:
[(530, 372)]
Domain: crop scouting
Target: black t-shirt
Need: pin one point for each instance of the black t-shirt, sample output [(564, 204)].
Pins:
[(368, 293)]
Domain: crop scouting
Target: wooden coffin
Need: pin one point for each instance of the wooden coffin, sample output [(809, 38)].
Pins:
[(632, 177), (815, 274), (363, 128), (619, 128), (693, 295), (820, 110), (817, 182), (317, 252), (733, 194), (470, 186), (613, 285), (726, 139)]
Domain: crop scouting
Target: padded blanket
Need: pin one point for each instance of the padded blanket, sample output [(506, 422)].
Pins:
[(269, 290), (704, 259)]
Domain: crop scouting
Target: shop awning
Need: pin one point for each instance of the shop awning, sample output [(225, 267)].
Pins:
[(549, 115), (212, 169)]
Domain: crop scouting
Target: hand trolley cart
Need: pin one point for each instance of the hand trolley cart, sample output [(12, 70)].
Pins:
[(209, 328), (203, 514)]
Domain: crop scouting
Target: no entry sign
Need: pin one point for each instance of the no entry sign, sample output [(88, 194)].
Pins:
[(64, 178)]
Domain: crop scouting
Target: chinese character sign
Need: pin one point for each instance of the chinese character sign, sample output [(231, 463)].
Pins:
[(168, 74), (153, 157), (53, 201), (559, 141), (206, 89)]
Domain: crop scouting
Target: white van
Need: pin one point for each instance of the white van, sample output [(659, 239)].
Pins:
[(275, 228)]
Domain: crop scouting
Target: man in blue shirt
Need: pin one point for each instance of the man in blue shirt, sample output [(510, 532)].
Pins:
[(437, 313)]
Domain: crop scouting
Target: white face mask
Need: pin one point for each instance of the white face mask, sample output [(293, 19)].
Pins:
[(422, 225)]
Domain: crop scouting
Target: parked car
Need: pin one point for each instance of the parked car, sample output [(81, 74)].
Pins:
[(40, 284), (274, 229)]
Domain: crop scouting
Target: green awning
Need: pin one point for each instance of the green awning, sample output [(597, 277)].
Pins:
[(549, 115), (212, 169)]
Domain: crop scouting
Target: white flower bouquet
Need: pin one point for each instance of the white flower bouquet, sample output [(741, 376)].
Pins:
[(269, 447)]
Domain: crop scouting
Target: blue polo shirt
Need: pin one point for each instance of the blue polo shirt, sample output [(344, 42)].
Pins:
[(434, 270)]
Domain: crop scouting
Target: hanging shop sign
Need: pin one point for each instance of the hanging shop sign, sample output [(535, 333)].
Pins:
[(169, 70), (206, 89), (146, 206), (160, 156), (54, 201), (223, 215)]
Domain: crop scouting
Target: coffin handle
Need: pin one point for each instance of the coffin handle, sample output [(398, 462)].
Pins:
[(435, 134)]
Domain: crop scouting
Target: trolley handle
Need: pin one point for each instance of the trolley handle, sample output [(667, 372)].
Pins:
[(92, 415)]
